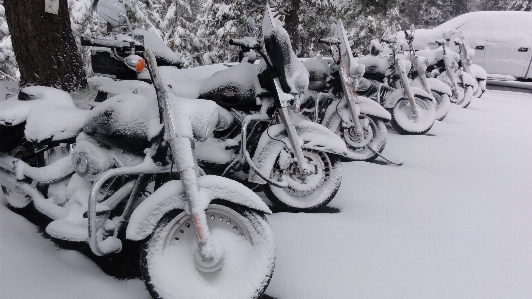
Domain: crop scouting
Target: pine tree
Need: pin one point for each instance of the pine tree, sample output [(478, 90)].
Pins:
[(222, 20), (180, 26), (85, 22), (367, 19), (521, 5), (8, 63)]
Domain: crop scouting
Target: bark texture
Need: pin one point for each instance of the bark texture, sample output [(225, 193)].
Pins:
[(292, 23), (44, 46)]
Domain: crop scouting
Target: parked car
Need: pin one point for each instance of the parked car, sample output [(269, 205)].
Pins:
[(502, 40)]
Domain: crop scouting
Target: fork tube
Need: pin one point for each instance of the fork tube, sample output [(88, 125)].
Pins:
[(404, 80), (292, 136), (421, 74), (182, 147), (350, 98)]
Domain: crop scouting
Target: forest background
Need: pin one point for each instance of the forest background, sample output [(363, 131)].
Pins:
[(199, 30)]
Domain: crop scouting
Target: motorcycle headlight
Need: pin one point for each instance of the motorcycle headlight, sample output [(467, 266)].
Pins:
[(90, 160), (82, 164)]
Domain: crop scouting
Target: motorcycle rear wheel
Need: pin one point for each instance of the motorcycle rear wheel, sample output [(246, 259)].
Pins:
[(300, 197), (404, 121), (243, 238)]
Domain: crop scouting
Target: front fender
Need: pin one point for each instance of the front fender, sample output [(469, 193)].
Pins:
[(439, 86), (312, 135), (391, 99), (171, 196), (337, 112)]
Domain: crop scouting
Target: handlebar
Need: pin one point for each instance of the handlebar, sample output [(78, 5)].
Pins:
[(242, 43), (329, 40), (388, 41), (109, 43)]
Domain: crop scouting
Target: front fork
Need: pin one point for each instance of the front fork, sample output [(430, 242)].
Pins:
[(404, 79), (351, 103), (421, 70), (290, 126), (182, 147), (450, 74)]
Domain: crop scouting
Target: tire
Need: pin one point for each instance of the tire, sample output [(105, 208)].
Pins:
[(375, 136), (325, 184), (467, 97), (405, 123), (242, 235), (442, 104)]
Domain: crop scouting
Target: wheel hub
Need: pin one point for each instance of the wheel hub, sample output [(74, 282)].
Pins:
[(358, 140), (302, 183), (207, 266)]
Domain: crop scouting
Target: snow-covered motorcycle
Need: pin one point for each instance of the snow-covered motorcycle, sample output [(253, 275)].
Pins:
[(267, 143), (444, 64), (475, 70), (412, 108), (439, 90), (118, 182), (332, 100)]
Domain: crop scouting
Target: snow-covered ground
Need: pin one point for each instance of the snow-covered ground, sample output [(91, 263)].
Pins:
[(453, 222)]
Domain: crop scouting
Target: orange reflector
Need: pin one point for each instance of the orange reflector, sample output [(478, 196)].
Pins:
[(140, 65)]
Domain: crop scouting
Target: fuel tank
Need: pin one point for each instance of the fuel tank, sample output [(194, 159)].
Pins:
[(236, 87), (126, 121)]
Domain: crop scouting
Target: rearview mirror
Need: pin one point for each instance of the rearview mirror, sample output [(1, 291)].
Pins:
[(112, 12)]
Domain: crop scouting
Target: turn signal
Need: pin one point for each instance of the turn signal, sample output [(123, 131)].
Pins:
[(140, 65)]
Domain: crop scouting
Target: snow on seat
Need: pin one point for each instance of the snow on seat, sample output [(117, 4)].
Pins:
[(49, 113), (236, 86)]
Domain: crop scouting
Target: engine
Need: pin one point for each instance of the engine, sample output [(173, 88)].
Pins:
[(91, 159)]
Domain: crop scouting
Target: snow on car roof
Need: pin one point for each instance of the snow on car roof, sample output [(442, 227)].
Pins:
[(480, 27)]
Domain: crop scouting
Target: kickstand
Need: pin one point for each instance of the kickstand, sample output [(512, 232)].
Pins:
[(384, 158)]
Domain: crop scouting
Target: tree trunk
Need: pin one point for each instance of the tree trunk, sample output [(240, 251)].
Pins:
[(44, 46), (292, 23)]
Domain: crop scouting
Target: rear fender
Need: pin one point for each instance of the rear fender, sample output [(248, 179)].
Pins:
[(312, 135), (467, 79), (478, 72), (400, 93), (171, 196)]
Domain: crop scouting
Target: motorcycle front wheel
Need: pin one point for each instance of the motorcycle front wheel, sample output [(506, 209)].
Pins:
[(243, 239), (366, 147), (442, 104), (307, 191), (405, 122)]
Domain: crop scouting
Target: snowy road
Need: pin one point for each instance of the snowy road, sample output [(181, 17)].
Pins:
[(453, 222)]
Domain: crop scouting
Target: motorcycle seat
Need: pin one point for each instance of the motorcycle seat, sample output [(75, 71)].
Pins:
[(235, 87), (48, 114)]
